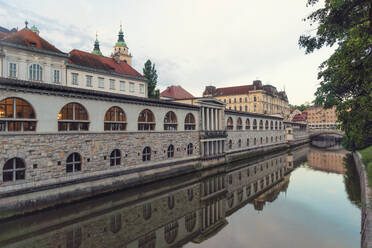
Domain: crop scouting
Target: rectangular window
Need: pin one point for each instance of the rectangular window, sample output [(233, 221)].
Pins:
[(89, 81), (12, 70), (142, 88), (131, 87), (75, 78), (112, 84), (122, 85), (56, 76), (101, 83)]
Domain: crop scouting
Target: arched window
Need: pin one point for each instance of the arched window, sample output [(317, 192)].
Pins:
[(261, 140), (254, 141), (240, 143), (115, 120), (254, 124), (280, 125), (171, 201), (73, 162), (73, 117), (74, 237), (35, 72), (276, 125), (239, 124), (170, 121), (170, 232), (146, 211), (189, 149), (190, 221), (248, 142), (267, 140), (14, 169), (146, 120), (272, 139), (16, 115), (115, 223), (271, 125), (115, 157), (261, 124), (230, 144), (190, 194), (190, 122), (230, 200), (170, 151), (267, 125), (230, 124), (276, 138), (240, 195), (247, 124), (148, 241), (248, 190), (146, 154)]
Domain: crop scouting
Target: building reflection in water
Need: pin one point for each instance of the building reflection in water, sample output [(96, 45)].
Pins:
[(327, 160), (170, 213)]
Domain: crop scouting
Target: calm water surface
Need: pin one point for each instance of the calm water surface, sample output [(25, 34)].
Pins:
[(307, 197)]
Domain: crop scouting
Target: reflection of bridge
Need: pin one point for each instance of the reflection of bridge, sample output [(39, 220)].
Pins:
[(316, 132)]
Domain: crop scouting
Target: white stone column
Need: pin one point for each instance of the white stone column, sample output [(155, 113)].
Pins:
[(218, 119), (202, 117), (214, 119)]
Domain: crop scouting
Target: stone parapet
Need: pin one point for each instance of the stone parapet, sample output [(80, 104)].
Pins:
[(366, 228)]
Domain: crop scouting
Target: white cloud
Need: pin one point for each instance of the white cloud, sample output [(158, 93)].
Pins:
[(193, 43)]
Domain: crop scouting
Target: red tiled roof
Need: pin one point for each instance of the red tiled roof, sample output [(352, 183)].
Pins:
[(299, 117), (235, 90), (28, 38), (98, 62), (176, 92)]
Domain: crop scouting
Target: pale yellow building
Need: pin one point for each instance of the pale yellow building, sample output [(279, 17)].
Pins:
[(255, 98), (318, 117)]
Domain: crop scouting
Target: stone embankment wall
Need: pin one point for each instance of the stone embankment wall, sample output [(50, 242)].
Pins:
[(366, 229)]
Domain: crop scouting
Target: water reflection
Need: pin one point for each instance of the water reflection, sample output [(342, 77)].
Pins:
[(211, 208)]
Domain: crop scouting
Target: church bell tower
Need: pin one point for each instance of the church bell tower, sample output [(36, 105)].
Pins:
[(121, 53)]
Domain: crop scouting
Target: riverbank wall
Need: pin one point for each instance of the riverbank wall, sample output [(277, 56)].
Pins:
[(33, 199), (366, 227)]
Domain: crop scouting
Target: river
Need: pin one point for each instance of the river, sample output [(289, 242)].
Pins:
[(305, 197)]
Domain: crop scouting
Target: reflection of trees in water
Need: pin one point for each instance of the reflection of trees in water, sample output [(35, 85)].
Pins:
[(352, 181)]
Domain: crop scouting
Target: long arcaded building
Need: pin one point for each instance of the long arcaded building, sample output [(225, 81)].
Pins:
[(77, 124)]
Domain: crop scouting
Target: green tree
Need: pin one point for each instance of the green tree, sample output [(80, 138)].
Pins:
[(149, 72), (346, 77)]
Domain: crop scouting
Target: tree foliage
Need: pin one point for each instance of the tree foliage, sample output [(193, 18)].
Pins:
[(301, 107), (149, 72), (346, 77)]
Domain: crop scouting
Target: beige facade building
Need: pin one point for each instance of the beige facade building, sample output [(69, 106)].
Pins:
[(254, 98), (318, 117)]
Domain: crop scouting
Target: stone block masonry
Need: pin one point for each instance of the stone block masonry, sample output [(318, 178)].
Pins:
[(45, 154)]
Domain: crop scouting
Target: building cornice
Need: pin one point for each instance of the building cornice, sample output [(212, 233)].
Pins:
[(8, 84), (89, 69), (33, 49), (238, 113)]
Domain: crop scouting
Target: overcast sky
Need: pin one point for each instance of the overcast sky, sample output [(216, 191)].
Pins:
[(193, 43)]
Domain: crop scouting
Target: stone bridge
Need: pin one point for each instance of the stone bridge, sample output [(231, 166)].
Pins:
[(316, 132)]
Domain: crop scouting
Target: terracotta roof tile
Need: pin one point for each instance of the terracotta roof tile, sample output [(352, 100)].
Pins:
[(176, 92), (235, 90), (98, 62), (30, 39)]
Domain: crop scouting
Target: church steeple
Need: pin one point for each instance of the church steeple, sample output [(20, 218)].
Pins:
[(121, 41), (121, 53), (96, 49)]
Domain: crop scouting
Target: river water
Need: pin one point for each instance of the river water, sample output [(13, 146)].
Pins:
[(305, 197)]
